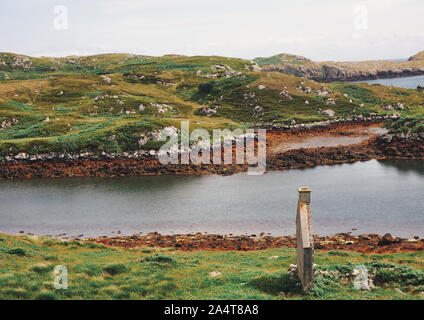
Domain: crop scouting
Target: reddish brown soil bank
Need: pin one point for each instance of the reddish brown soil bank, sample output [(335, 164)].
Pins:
[(285, 150), (372, 149), (368, 243), (105, 168)]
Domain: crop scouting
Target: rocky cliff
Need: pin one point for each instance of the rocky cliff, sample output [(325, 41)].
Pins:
[(343, 71)]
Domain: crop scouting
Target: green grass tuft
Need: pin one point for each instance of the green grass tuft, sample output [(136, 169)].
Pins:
[(47, 296), (115, 269), (17, 251)]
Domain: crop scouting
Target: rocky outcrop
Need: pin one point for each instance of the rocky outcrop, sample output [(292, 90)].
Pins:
[(417, 57), (402, 137), (328, 73), (355, 119), (349, 71)]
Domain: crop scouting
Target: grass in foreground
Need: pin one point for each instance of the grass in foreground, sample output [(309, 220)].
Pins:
[(99, 272)]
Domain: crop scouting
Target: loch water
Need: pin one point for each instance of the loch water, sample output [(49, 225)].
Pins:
[(363, 197)]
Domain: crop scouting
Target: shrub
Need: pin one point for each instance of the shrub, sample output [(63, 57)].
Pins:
[(41, 268), (338, 253), (226, 85), (17, 251), (379, 265), (160, 260), (405, 124), (16, 293), (47, 296), (365, 95), (114, 269), (50, 258), (90, 269), (207, 87), (402, 275), (93, 245)]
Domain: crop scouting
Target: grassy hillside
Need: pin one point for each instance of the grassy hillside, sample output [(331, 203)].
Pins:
[(108, 103), (281, 58), (98, 272), (417, 57)]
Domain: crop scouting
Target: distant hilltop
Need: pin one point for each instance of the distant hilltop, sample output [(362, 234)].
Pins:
[(342, 71), (11, 62), (291, 64), (419, 56)]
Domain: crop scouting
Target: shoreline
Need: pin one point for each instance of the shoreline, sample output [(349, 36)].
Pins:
[(364, 243), (369, 146), (192, 242), (328, 73), (384, 74)]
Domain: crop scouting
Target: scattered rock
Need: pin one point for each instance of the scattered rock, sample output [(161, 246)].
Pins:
[(394, 106), (386, 240), (41, 265), (328, 113), (323, 92), (258, 109), (399, 291), (207, 111), (161, 108), (293, 271), (214, 274), (285, 93), (256, 67), (106, 79), (218, 67), (21, 156), (8, 123), (143, 140), (330, 101)]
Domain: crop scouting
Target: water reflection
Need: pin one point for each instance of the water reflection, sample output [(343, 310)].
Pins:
[(403, 82), (124, 184), (405, 166), (373, 197)]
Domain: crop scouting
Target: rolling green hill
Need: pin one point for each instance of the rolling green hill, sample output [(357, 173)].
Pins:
[(109, 102)]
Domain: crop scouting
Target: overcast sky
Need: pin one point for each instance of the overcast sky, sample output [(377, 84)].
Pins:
[(318, 29)]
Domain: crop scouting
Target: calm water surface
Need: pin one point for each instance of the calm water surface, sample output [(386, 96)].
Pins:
[(406, 82), (372, 197)]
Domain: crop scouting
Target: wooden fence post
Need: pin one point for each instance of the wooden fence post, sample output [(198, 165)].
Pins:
[(304, 240)]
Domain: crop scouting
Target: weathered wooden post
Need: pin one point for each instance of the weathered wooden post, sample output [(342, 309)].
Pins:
[(304, 240)]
